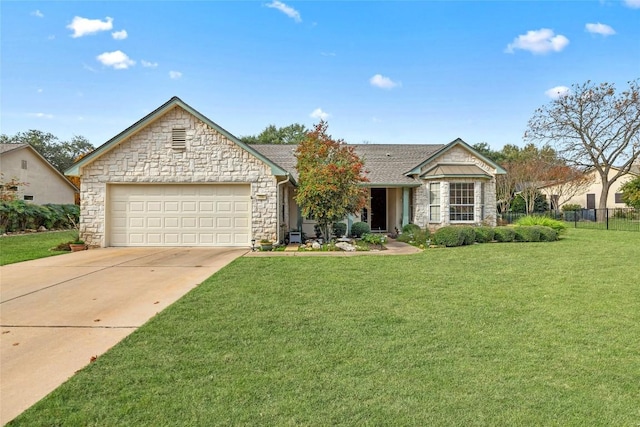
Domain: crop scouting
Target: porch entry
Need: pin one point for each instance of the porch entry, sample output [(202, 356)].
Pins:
[(378, 209)]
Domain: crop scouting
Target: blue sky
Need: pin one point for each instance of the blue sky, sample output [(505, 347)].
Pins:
[(382, 72)]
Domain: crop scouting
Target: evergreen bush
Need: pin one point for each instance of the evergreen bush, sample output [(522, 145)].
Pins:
[(449, 236), (484, 234), (504, 234), (359, 228)]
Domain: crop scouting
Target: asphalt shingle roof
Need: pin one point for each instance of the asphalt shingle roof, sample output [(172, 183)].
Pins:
[(385, 163)]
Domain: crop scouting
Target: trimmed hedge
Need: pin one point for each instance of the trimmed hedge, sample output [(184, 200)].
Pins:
[(504, 234), (17, 215), (454, 236), (484, 234), (526, 234)]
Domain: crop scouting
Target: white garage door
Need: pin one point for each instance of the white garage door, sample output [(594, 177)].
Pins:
[(179, 215)]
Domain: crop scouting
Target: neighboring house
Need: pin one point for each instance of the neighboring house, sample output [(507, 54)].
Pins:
[(37, 180), (589, 197), (177, 178)]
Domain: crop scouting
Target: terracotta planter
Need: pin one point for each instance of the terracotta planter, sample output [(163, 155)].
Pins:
[(75, 247)]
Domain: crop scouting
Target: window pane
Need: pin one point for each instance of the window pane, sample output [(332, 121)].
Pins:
[(461, 201)]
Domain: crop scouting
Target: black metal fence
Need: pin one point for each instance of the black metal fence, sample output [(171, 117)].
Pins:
[(624, 219)]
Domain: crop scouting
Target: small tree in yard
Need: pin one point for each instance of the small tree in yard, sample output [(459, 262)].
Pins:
[(593, 127), (631, 193), (330, 177)]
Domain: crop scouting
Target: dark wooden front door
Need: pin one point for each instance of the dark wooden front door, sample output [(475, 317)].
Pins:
[(378, 209), (591, 201)]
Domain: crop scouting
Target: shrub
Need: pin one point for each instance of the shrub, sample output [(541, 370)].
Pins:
[(528, 221), (449, 236), (339, 229), (468, 235), (411, 229), (18, 215), (571, 207), (547, 234), (373, 239), (526, 234), (504, 234), (484, 234), (359, 228)]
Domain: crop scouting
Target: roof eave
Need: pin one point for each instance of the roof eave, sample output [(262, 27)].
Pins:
[(457, 141)]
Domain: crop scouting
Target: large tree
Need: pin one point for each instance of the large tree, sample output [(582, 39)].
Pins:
[(330, 175), (292, 134), (60, 154), (592, 126)]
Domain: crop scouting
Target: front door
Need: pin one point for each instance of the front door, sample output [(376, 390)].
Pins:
[(378, 209)]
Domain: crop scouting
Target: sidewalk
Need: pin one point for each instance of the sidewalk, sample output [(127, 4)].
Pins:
[(393, 248)]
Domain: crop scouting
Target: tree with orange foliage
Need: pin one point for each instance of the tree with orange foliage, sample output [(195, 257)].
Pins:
[(330, 177)]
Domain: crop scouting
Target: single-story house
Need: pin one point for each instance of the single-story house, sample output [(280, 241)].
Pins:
[(177, 178), (589, 197), (32, 177)]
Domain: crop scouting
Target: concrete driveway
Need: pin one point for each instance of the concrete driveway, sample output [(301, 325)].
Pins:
[(57, 313)]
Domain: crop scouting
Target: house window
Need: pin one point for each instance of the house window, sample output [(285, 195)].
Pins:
[(364, 215), (619, 198), (24, 164), (28, 197), (178, 138), (461, 201), (434, 202)]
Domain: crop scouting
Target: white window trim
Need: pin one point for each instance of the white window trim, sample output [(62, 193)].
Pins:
[(438, 204), (473, 205)]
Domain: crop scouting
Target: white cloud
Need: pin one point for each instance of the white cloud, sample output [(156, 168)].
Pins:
[(319, 114), (633, 4), (119, 35), (557, 92), (383, 82), (175, 75), (148, 64), (83, 26), (599, 28), (287, 10), (117, 59), (328, 53), (41, 115), (538, 42), (38, 14)]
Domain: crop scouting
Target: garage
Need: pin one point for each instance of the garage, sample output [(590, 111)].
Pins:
[(179, 214)]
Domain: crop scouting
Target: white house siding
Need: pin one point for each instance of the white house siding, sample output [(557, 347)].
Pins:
[(147, 157), (460, 156)]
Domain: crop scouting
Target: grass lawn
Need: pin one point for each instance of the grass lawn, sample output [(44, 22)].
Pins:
[(491, 334), (26, 247)]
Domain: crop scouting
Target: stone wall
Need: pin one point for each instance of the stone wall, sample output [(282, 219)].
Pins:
[(148, 157), (457, 155)]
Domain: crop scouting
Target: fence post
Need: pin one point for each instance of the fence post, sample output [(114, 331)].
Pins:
[(575, 219), (607, 214)]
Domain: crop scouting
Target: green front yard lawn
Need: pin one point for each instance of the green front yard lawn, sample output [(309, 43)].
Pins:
[(492, 334), (32, 246)]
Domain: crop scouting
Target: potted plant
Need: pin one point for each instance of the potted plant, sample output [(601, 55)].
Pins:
[(266, 245), (77, 245)]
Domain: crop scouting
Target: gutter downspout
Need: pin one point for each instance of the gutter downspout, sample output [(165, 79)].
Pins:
[(278, 206)]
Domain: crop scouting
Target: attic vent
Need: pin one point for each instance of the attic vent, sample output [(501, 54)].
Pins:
[(179, 138)]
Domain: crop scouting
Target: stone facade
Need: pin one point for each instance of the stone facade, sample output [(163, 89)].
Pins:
[(148, 157), (484, 191)]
